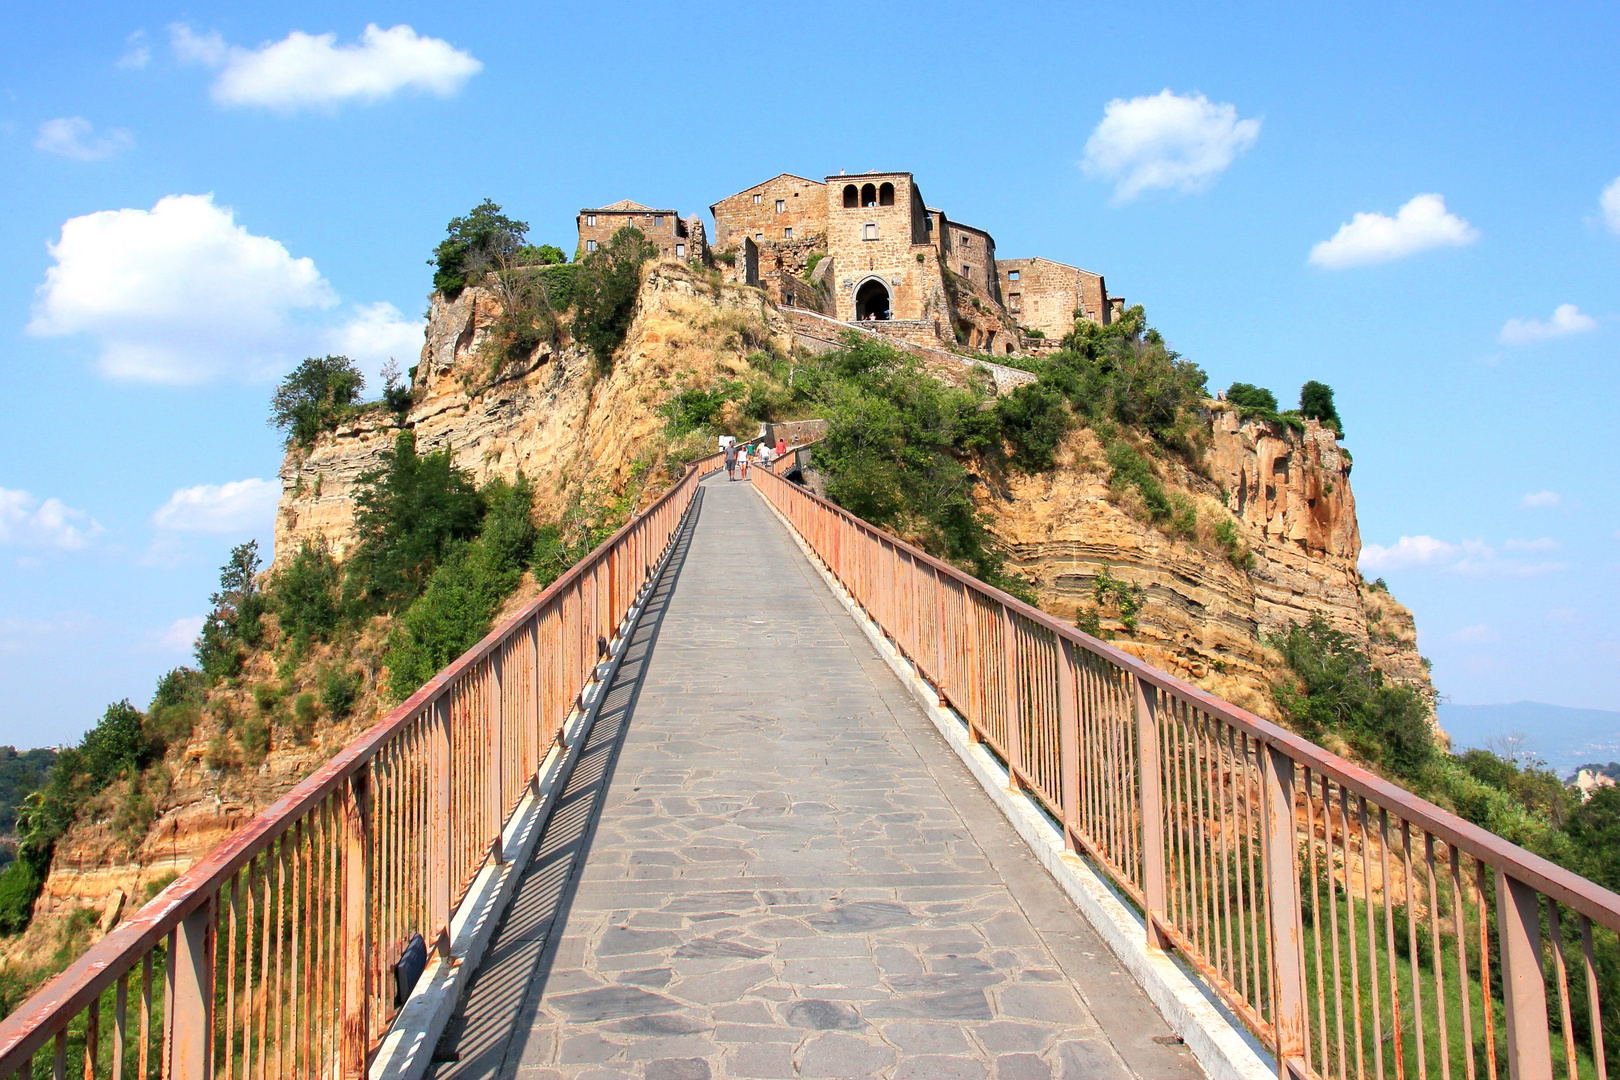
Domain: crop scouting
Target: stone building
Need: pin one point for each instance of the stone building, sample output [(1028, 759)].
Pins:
[(785, 208), (1045, 295), (675, 237)]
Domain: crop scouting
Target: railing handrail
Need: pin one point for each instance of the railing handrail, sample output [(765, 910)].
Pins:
[(1582, 894), (83, 981)]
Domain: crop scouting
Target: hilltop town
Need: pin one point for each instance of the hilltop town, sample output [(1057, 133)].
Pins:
[(869, 248)]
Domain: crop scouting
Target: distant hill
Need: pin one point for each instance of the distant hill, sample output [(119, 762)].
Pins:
[(1566, 738)]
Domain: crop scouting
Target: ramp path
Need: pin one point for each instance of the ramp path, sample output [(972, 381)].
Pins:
[(768, 864)]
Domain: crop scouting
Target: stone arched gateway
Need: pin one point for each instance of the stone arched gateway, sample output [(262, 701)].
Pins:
[(873, 299)]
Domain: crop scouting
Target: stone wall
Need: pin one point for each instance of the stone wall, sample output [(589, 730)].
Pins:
[(1046, 294), (753, 212), (880, 243), (971, 254)]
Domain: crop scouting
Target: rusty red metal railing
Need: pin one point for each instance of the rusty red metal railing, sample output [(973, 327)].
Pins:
[(1356, 928), (270, 957)]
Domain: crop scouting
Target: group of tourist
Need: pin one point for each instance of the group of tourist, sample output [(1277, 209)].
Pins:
[(739, 457)]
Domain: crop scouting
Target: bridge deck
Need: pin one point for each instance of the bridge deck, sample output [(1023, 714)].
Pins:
[(768, 864)]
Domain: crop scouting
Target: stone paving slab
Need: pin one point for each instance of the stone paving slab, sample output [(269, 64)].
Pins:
[(768, 864)]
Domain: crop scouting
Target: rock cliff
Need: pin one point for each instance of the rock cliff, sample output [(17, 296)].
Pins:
[(1203, 615)]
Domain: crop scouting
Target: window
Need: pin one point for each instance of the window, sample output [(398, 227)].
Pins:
[(869, 231), (658, 219), (967, 271), (590, 219), (757, 197), (1012, 275), (851, 196), (590, 245), (868, 195), (967, 241), (787, 233), (781, 206), (886, 195), (1015, 301), (680, 251), (759, 238)]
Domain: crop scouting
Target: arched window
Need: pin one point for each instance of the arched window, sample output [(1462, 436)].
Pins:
[(852, 197), (886, 195), (868, 195)]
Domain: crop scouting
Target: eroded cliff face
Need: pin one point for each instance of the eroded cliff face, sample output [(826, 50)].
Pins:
[(570, 430), (1204, 615), (550, 416)]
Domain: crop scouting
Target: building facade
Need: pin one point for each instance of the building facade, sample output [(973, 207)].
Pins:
[(675, 238), (1045, 295)]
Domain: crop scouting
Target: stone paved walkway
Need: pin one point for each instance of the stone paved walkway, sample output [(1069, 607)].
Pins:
[(768, 864)]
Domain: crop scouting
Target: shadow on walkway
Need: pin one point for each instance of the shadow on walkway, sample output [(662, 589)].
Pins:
[(519, 958)]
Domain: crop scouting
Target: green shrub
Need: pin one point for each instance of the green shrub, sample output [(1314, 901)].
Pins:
[(20, 886), (1338, 690), (1226, 534), (454, 611), (693, 409), (1131, 469), (314, 397), (339, 688), (304, 594), (812, 262), (175, 708), (605, 290), (1033, 421), (409, 515)]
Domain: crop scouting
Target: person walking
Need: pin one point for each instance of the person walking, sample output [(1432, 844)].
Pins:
[(731, 461), (743, 461), (781, 448)]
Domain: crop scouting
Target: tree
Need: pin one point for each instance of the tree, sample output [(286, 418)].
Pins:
[(314, 397), (234, 620), (1248, 396), (409, 514), (473, 243), (1316, 403), (605, 289)]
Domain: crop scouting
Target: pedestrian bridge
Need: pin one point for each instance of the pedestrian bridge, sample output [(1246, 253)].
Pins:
[(757, 790)]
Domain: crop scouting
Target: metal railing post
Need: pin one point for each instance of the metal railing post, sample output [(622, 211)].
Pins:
[(1524, 992), (439, 825), (189, 1014), (495, 730), (1009, 675), (1151, 778), (356, 924), (1068, 745), (1283, 901)]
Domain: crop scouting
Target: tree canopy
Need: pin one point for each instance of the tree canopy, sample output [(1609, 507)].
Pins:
[(314, 397)]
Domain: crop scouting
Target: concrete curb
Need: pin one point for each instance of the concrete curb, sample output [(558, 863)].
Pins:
[(1217, 1038), (407, 1050)]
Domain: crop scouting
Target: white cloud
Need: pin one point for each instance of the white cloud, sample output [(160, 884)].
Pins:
[(1165, 140), (74, 137), (1541, 498), (27, 522), (1542, 543), (1421, 224), (239, 506), (1470, 558), (138, 55), (374, 334), (1566, 319), (179, 293), (181, 635), (311, 71), (1610, 202), (191, 47), (1478, 634)]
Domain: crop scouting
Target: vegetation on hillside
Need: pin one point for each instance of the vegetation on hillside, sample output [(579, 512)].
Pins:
[(1337, 697), (314, 397), (481, 240)]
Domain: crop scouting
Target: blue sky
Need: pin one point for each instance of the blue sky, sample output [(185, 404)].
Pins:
[(198, 196)]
